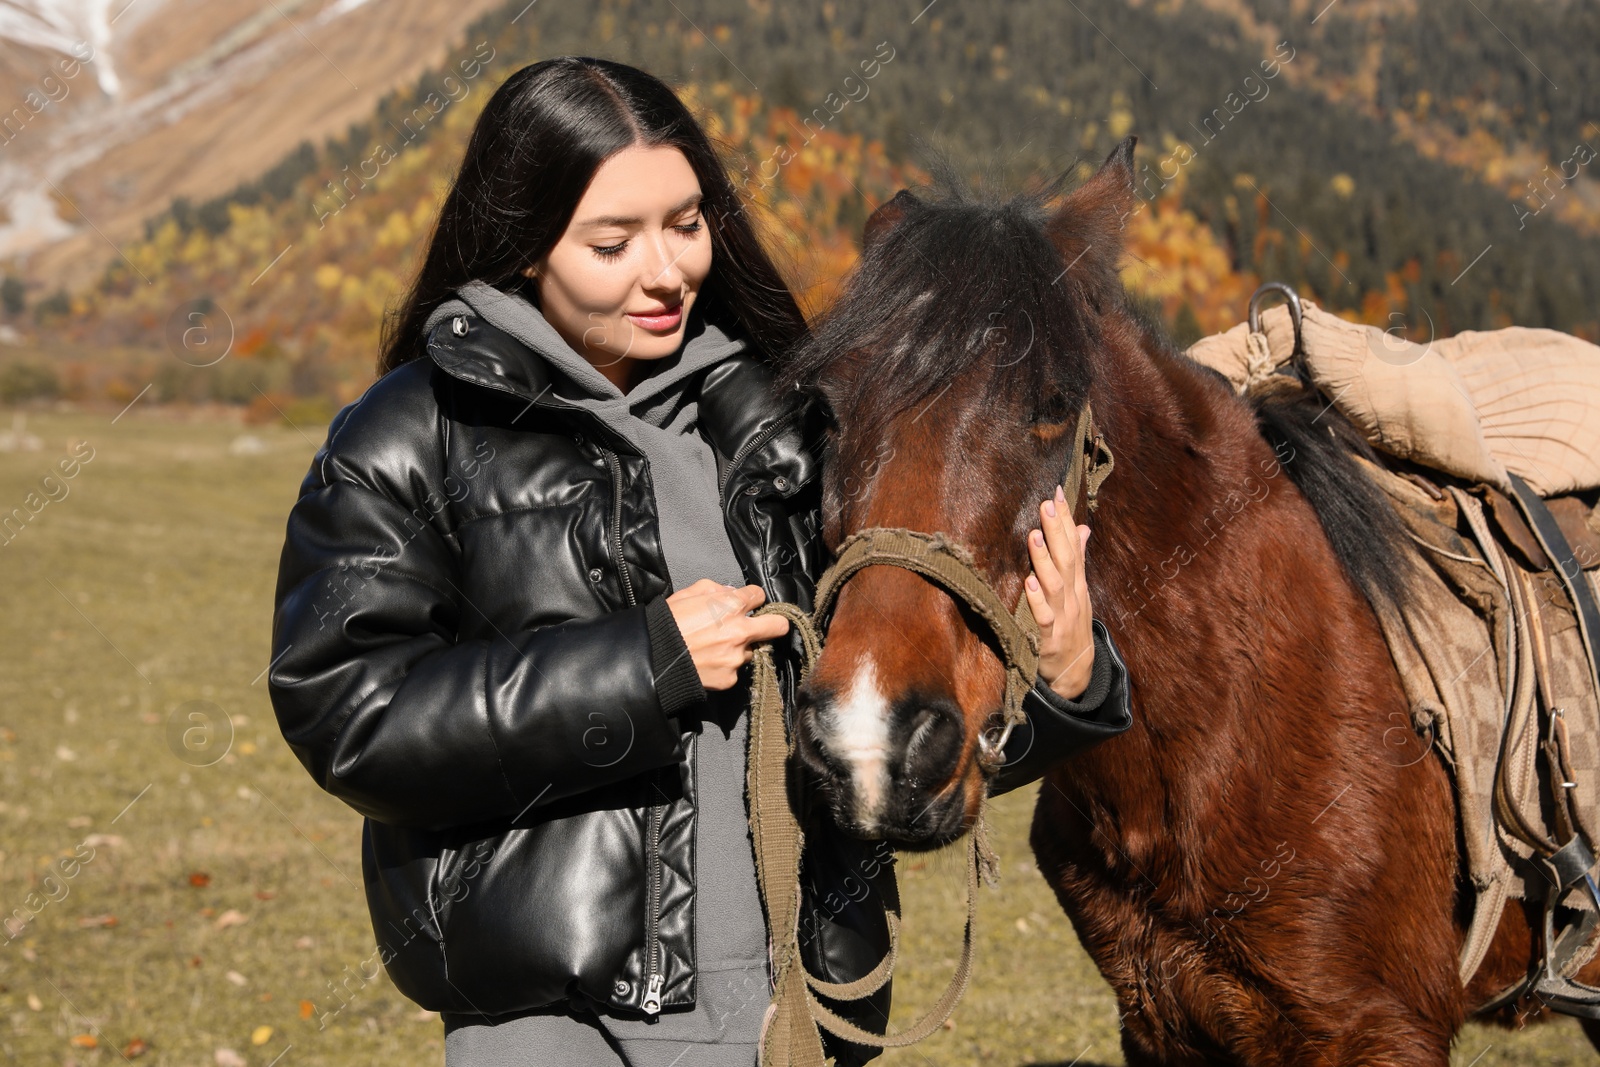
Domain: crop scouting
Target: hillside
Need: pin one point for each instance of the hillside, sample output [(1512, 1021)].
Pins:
[(180, 98), (1321, 145)]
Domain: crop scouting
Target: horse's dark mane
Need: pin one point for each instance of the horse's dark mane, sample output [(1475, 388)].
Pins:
[(961, 277), (1366, 535)]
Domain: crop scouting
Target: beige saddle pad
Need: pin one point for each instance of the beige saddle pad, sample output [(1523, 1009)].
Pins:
[(1474, 405)]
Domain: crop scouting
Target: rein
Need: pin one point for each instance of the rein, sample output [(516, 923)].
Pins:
[(789, 1033)]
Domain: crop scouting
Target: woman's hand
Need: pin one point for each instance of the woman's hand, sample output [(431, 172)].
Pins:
[(1059, 595), (720, 635)]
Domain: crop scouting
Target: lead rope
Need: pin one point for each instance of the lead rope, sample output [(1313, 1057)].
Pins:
[(789, 1030), (789, 1033)]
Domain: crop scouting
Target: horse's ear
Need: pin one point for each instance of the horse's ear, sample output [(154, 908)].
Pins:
[(887, 216), (1092, 217)]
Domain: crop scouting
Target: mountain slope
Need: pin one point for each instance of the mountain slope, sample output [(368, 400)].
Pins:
[(1269, 149), (183, 98)]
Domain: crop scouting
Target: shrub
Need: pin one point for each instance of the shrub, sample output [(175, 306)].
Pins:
[(24, 380)]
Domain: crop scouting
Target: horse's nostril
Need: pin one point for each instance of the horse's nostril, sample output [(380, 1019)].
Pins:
[(930, 742), (809, 748)]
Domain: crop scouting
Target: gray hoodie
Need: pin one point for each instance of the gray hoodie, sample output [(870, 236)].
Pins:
[(659, 415)]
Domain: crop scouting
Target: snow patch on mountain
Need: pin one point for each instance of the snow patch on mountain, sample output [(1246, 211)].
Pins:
[(64, 26)]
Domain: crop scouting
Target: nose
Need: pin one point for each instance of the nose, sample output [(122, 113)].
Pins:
[(886, 771), (661, 265)]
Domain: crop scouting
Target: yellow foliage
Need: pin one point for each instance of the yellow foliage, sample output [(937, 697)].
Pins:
[(396, 230), (1175, 258), (195, 248)]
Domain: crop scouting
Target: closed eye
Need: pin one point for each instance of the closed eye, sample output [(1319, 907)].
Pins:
[(688, 229)]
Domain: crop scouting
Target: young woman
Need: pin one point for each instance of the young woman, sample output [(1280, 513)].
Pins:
[(512, 609)]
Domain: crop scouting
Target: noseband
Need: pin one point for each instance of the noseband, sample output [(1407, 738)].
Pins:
[(789, 1030), (950, 565)]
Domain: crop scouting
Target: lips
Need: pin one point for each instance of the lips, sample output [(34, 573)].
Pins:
[(663, 319)]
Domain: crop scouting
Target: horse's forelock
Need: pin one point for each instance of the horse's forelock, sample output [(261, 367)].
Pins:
[(951, 282)]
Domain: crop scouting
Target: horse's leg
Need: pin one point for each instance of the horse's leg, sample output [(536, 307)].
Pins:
[(1123, 939), (1591, 1030), (1143, 962)]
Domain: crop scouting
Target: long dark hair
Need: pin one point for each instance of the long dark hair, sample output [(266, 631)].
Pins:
[(533, 152)]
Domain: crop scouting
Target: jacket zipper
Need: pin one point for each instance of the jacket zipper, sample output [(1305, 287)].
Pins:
[(654, 979), (615, 466), (722, 490), (751, 445)]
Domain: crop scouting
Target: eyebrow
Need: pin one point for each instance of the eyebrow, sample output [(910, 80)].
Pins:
[(634, 220)]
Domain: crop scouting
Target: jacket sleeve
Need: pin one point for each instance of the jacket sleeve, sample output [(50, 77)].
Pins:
[(393, 714), (1058, 728)]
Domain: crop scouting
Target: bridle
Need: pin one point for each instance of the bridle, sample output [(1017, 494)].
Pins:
[(950, 565), (789, 1032)]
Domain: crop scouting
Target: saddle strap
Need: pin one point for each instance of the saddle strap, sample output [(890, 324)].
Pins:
[(1568, 867), (1555, 546)]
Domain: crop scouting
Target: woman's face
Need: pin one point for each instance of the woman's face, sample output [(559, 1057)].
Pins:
[(621, 281)]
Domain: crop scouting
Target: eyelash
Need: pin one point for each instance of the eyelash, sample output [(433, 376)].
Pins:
[(608, 251)]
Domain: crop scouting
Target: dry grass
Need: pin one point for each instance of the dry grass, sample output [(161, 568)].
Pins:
[(149, 586)]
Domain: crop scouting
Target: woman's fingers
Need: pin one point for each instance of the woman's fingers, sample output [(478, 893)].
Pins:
[(1064, 547), (1056, 554), (1044, 568), (733, 611), (1083, 578), (719, 630), (725, 602), (1043, 614), (766, 627), (1058, 593)]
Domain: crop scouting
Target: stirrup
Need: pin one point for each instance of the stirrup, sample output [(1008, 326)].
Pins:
[(1568, 868), (1568, 997)]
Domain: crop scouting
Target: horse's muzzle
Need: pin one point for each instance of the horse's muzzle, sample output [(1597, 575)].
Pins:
[(886, 772)]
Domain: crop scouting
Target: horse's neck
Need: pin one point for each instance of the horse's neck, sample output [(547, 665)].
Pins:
[(1175, 518), (1197, 537)]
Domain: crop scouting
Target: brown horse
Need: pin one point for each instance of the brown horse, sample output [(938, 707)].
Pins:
[(1264, 867)]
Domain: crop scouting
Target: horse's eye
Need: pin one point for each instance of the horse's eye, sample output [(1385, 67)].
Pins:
[(1048, 410)]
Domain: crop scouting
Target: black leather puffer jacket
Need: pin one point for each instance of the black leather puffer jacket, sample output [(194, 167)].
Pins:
[(462, 651)]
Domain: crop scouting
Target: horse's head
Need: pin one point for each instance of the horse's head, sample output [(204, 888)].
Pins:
[(955, 364)]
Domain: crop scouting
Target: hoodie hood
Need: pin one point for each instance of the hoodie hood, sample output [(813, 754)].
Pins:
[(656, 400)]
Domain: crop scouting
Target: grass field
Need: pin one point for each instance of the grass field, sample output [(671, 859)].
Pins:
[(190, 898)]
